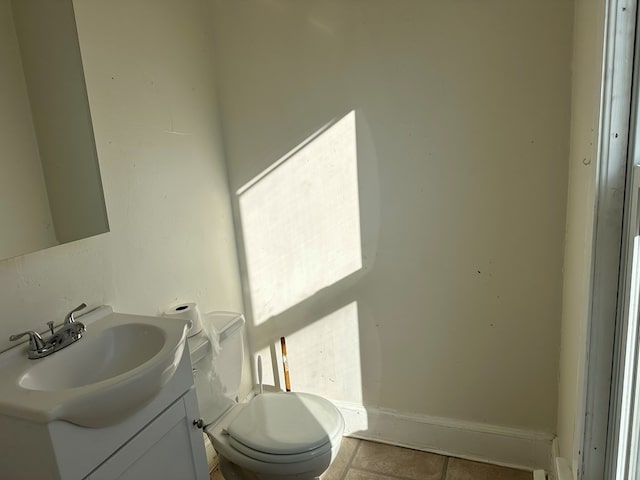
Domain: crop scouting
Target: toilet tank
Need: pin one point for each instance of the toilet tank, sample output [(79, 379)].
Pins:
[(217, 356)]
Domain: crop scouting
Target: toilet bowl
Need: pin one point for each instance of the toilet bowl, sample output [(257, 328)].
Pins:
[(273, 436)]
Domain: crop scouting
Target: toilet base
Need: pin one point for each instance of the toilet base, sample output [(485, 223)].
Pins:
[(231, 471)]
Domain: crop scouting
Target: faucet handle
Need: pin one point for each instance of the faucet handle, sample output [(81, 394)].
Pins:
[(50, 325), (70, 316), (35, 340)]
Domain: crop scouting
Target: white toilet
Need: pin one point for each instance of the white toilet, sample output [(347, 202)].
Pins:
[(273, 436)]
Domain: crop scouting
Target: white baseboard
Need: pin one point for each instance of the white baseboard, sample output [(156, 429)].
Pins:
[(474, 441)]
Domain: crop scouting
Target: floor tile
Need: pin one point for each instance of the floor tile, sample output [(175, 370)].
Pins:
[(340, 464), (390, 460), (459, 469), (355, 474)]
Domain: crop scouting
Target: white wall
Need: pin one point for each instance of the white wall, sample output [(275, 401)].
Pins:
[(24, 208), (462, 125), (586, 85), (151, 92)]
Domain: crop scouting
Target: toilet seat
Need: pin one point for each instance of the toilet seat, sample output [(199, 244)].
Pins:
[(260, 424), (275, 458)]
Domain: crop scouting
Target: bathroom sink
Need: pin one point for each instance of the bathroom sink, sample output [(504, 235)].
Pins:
[(118, 366), (117, 350)]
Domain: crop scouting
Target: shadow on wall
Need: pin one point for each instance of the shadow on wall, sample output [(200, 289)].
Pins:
[(303, 253)]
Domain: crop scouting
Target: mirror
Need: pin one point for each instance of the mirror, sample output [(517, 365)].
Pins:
[(50, 186)]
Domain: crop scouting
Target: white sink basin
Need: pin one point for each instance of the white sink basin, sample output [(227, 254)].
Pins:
[(118, 366)]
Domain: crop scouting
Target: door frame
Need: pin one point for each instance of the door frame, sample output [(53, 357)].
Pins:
[(604, 355)]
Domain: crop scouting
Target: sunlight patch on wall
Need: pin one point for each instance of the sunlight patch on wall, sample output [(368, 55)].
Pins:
[(324, 357), (301, 221)]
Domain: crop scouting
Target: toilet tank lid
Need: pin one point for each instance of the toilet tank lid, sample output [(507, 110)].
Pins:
[(225, 323)]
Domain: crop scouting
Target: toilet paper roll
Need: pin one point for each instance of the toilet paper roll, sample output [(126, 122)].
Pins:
[(187, 311)]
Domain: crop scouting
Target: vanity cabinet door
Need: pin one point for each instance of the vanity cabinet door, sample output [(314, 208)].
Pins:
[(170, 448)]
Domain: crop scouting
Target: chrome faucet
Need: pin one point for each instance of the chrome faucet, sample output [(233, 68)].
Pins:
[(69, 332)]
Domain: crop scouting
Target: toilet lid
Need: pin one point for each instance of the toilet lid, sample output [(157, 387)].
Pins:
[(286, 423)]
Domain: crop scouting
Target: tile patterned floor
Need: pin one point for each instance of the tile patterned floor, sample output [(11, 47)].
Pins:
[(363, 460)]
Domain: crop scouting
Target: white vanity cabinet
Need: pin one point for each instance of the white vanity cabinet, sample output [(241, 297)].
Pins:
[(168, 448), (157, 442)]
